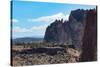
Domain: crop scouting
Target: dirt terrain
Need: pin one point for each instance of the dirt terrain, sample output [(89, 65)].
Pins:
[(22, 55)]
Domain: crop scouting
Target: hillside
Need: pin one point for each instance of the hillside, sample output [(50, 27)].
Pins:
[(27, 40)]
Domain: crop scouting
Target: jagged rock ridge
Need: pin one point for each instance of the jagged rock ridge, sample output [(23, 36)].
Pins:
[(70, 32)]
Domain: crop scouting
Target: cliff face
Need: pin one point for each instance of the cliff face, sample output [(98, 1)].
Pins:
[(70, 32), (56, 32), (77, 21), (89, 40)]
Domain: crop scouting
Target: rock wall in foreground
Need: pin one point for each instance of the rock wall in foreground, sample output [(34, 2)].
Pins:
[(89, 45)]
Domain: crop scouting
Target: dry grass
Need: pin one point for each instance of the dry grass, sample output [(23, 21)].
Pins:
[(66, 56)]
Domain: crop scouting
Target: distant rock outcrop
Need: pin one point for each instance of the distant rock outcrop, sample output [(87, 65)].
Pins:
[(56, 32), (70, 32)]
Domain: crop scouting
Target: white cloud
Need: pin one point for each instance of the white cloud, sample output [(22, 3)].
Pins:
[(20, 30), (49, 19), (38, 27), (38, 30), (32, 29), (15, 20)]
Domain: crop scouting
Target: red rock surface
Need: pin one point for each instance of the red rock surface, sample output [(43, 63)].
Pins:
[(89, 46)]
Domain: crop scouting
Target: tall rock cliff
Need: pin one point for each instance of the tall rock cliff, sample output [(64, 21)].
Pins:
[(89, 46), (56, 33), (70, 32), (76, 24)]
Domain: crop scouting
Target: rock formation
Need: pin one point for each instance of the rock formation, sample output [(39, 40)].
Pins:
[(76, 25), (89, 46), (56, 32), (69, 32), (72, 31)]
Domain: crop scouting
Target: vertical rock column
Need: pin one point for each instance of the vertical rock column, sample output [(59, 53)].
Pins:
[(89, 47)]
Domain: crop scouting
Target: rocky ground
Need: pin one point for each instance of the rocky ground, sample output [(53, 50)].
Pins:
[(49, 55)]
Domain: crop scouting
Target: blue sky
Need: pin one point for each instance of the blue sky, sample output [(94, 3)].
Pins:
[(30, 19)]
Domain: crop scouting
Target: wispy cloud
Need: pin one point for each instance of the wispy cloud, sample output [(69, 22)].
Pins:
[(49, 19), (15, 20), (28, 30), (21, 30)]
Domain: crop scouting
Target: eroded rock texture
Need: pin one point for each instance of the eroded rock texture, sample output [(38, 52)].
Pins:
[(70, 32), (89, 46), (80, 30)]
